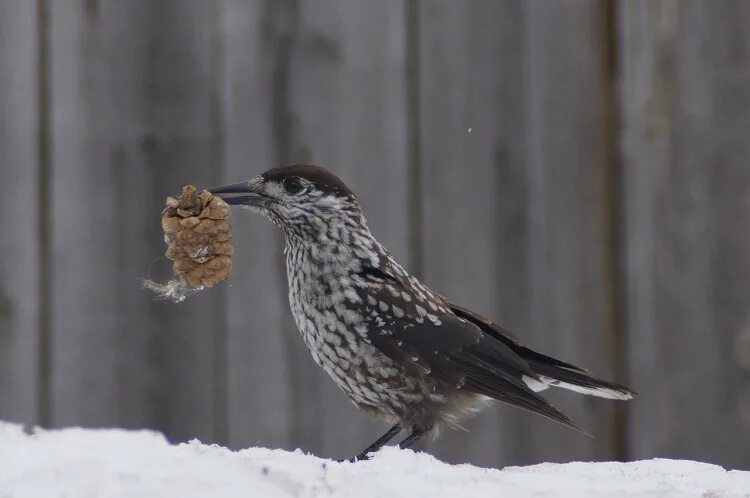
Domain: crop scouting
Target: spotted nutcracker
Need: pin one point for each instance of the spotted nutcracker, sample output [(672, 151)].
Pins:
[(399, 350)]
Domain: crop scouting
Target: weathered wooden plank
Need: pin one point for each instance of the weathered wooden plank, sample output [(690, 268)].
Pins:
[(473, 182), (572, 268), (686, 115), (261, 399), (132, 121), (20, 205), (512, 119), (346, 94)]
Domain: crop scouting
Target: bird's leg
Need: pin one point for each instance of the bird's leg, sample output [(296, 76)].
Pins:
[(417, 433), (381, 441)]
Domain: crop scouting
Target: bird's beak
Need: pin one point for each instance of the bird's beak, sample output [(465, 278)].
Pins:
[(240, 193)]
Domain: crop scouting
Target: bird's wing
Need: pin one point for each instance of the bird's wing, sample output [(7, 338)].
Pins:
[(421, 333), (407, 329), (501, 334)]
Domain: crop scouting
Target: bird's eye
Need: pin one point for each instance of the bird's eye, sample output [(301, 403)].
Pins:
[(293, 185)]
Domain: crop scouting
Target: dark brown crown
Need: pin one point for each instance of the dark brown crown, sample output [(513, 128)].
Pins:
[(321, 177)]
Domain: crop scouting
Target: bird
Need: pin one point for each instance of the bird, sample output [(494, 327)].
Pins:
[(400, 351)]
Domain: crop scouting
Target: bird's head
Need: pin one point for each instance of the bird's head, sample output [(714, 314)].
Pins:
[(305, 201)]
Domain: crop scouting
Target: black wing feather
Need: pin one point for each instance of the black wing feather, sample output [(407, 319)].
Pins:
[(493, 329)]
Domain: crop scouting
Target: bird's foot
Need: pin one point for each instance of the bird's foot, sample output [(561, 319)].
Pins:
[(359, 458)]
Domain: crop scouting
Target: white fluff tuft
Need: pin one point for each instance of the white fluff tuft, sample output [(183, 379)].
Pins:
[(173, 290)]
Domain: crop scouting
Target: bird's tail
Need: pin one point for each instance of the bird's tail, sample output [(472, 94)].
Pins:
[(574, 379), (549, 371)]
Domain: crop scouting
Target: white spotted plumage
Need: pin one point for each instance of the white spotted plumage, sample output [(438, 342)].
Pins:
[(397, 349)]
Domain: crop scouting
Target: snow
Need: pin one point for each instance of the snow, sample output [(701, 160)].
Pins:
[(117, 463)]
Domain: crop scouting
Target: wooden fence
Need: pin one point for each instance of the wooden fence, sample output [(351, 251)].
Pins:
[(578, 170)]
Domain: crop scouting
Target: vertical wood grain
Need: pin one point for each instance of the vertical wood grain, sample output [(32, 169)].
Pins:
[(261, 396), (131, 110), (20, 289), (686, 115), (347, 105), (571, 268), (515, 164), (473, 183)]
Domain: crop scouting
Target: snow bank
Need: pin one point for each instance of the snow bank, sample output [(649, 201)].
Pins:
[(116, 463)]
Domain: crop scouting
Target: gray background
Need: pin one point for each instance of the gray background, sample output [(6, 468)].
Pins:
[(577, 170)]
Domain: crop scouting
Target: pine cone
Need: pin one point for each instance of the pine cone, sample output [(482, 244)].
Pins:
[(196, 230)]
